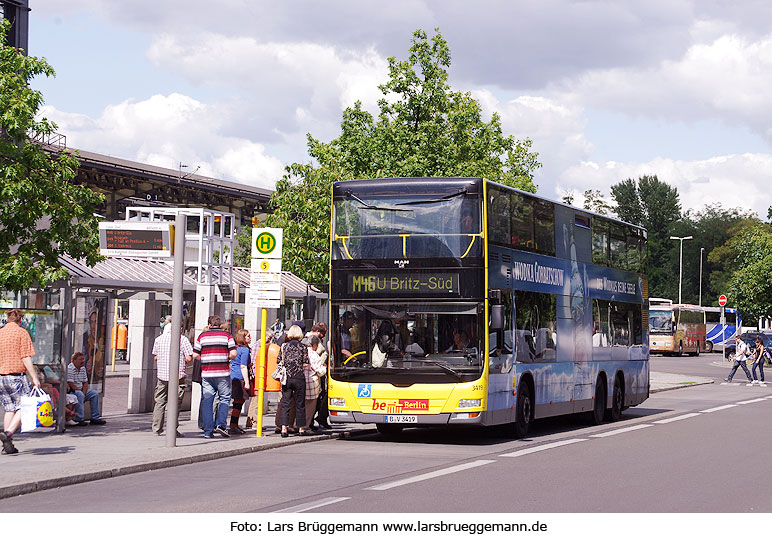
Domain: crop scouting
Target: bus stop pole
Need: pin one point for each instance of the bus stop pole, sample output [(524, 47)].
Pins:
[(723, 334), (261, 372), (172, 391)]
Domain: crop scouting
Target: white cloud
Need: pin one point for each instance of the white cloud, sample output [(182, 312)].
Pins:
[(728, 79), (736, 181), (167, 130)]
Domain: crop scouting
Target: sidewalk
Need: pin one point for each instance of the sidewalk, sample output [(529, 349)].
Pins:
[(126, 445)]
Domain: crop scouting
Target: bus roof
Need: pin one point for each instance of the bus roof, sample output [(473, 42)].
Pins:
[(394, 185)]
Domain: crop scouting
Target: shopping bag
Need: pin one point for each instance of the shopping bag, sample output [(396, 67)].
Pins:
[(36, 411)]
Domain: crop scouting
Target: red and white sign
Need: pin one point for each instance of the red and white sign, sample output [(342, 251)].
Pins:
[(722, 300)]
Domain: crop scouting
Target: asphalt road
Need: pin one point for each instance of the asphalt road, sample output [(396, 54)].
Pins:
[(698, 449)]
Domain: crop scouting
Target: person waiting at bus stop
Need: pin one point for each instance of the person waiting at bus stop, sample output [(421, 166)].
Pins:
[(740, 354)]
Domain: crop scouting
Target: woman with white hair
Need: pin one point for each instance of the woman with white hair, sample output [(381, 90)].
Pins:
[(294, 356)]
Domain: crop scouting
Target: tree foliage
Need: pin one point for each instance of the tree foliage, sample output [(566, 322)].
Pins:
[(710, 227), (42, 214), (424, 128), (656, 206), (748, 256)]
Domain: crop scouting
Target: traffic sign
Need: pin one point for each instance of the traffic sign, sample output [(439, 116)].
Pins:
[(722, 300), (260, 298), (264, 277), (267, 243), (266, 265)]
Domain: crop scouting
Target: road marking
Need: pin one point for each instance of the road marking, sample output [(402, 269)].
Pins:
[(675, 419), (525, 451), (432, 475), (623, 430), (311, 505), (751, 401), (717, 408)]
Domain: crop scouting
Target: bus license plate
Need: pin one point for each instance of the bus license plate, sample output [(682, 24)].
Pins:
[(401, 419)]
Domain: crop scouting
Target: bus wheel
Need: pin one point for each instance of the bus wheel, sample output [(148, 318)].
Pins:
[(697, 351), (708, 346), (681, 349), (614, 414), (523, 412), (599, 406), (388, 430)]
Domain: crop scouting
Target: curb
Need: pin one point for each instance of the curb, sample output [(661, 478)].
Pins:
[(681, 386), (58, 482)]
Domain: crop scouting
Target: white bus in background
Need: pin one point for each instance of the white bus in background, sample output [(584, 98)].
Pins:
[(716, 333)]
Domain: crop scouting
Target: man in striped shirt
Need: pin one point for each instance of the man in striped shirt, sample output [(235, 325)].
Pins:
[(215, 347)]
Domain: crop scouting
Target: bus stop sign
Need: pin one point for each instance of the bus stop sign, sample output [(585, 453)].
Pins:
[(722, 300)]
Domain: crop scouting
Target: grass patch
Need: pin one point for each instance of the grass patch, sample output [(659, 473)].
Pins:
[(686, 383)]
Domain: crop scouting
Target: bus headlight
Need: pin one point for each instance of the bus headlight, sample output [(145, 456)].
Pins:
[(469, 403), (334, 401)]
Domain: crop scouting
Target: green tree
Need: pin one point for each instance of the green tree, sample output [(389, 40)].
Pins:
[(656, 206), (710, 227), (748, 254), (42, 214), (423, 129)]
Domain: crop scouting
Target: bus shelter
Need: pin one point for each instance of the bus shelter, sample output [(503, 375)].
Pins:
[(85, 313)]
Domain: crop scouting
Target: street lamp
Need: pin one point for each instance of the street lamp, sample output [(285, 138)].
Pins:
[(701, 251), (681, 263)]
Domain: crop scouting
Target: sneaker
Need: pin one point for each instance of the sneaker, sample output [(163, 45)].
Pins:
[(7, 441), (236, 431), (97, 421), (222, 431), (728, 380), (207, 436), (81, 424), (70, 423), (762, 384)]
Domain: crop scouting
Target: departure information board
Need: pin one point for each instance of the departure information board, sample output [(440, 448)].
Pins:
[(142, 239)]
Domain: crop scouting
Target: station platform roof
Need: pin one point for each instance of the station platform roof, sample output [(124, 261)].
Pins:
[(142, 274)]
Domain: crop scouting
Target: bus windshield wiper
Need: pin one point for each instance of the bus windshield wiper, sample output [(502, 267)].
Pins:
[(372, 207), (435, 200), (444, 367)]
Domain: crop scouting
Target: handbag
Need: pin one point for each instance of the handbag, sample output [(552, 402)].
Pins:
[(196, 374), (280, 374), (36, 411)]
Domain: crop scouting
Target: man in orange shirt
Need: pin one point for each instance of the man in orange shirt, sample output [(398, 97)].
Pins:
[(16, 353)]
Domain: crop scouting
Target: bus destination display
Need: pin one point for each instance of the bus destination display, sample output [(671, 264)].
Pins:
[(403, 283), (135, 239)]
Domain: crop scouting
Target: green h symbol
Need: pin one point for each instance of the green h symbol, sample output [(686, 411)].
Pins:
[(265, 243)]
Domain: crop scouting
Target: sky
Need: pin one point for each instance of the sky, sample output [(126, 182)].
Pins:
[(606, 90)]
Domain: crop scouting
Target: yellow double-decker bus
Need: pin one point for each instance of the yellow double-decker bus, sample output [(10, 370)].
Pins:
[(676, 328), (457, 301)]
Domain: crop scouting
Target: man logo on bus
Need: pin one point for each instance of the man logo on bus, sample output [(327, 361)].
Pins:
[(265, 243)]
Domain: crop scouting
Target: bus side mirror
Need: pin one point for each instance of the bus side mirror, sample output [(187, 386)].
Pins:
[(497, 317)]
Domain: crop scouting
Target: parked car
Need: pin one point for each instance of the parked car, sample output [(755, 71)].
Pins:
[(749, 338)]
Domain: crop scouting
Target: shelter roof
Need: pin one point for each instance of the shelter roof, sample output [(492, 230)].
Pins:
[(158, 275)]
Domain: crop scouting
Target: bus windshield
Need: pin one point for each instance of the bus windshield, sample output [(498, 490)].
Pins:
[(407, 226), (661, 322), (407, 343)]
